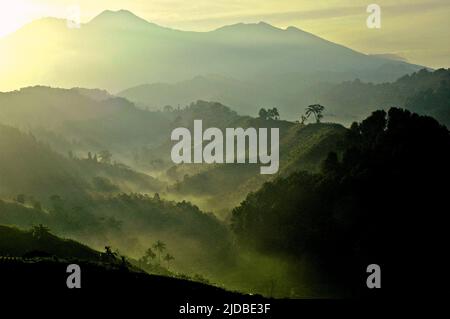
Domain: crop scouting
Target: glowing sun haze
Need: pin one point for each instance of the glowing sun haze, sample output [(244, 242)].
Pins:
[(418, 30)]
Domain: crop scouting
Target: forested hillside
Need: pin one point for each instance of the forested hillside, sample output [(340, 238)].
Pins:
[(224, 186), (424, 92), (30, 167), (35, 258), (369, 203), (79, 120), (63, 167), (211, 159), (131, 223)]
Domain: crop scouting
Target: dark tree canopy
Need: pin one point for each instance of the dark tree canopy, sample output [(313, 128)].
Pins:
[(382, 201)]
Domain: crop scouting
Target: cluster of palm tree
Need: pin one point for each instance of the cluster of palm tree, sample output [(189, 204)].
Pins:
[(40, 231), (269, 114), (160, 248)]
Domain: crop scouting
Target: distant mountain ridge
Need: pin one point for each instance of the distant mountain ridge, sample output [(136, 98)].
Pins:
[(345, 101), (423, 92), (117, 50)]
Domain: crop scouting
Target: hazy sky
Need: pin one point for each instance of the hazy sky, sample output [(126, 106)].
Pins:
[(418, 30)]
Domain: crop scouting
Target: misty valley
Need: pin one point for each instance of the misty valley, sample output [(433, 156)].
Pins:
[(220, 150), (249, 162), (220, 224)]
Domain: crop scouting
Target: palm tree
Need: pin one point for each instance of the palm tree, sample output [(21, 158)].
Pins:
[(143, 261), (315, 109), (40, 231), (109, 253), (304, 118), (168, 258), (149, 253), (159, 246), (148, 256)]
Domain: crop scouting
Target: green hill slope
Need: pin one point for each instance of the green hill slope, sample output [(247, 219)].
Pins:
[(18, 243), (371, 204), (38, 260), (222, 186), (32, 168), (81, 120)]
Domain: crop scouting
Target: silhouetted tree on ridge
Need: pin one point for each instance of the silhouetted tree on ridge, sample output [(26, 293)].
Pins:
[(160, 247), (316, 110)]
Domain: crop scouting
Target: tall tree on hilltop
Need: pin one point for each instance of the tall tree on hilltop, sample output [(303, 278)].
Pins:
[(159, 246), (168, 258), (316, 110)]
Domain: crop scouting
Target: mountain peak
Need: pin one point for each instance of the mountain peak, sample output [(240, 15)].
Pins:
[(112, 18), (249, 27), (266, 25), (292, 28), (117, 13)]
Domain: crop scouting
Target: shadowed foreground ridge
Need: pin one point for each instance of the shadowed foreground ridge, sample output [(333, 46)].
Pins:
[(50, 274), (31, 260)]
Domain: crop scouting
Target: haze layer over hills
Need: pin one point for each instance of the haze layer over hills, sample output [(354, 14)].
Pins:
[(92, 164), (118, 50)]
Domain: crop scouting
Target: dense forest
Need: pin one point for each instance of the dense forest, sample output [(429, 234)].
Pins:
[(90, 111), (368, 203), (100, 173), (424, 92)]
